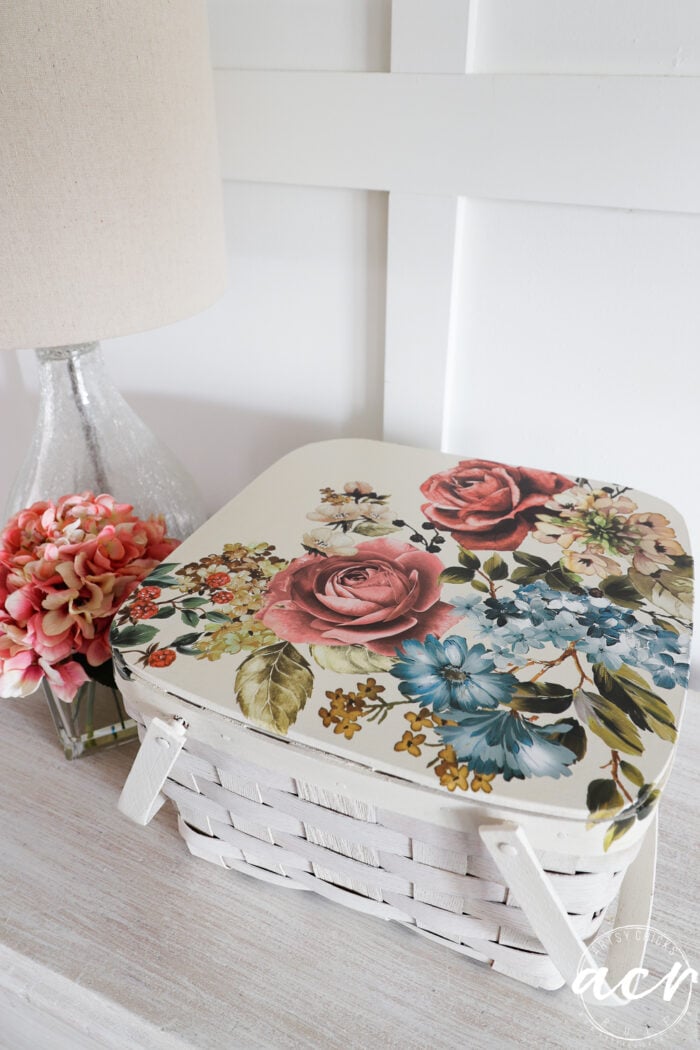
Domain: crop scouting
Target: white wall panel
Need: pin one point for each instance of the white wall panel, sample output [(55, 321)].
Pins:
[(652, 37), (300, 34), (430, 38), (576, 345), (627, 142), (422, 250), (294, 353)]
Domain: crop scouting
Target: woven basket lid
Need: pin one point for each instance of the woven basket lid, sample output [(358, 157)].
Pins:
[(495, 632)]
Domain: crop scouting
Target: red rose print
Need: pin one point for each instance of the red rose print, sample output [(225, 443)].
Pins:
[(161, 658), (218, 579), (487, 505), (380, 596), (143, 610)]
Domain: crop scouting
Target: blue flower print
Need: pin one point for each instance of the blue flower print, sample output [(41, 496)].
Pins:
[(450, 675), (471, 608), (538, 615), (601, 650), (501, 610), (512, 644), (505, 742), (666, 673)]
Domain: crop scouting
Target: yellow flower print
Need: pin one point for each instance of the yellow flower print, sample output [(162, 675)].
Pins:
[(336, 696), (411, 743), (482, 782), (232, 637), (348, 726), (353, 702), (451, 775), (422, 720), (369, 690), (452, 778), (343, 703), (328, 495), (447, 754), (329, 718)]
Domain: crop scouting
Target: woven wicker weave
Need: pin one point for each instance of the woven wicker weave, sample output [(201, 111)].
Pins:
[(436, 880)]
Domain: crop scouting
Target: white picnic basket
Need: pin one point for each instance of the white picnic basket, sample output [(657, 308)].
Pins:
[(333, 705)]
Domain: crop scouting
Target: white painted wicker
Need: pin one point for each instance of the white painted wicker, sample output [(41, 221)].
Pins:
[(416, 865), (441, 882)]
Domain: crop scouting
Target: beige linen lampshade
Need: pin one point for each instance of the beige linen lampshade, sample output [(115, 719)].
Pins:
[(110, 200), (110, 223)]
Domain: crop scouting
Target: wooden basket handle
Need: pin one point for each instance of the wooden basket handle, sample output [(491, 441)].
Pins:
[(141, 796), (523, 874)]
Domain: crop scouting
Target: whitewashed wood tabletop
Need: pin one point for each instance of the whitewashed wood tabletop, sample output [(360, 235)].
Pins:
[(113, 936)]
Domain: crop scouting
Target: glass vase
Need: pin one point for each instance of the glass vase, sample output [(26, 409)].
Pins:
[(88, 437), (93, 721)]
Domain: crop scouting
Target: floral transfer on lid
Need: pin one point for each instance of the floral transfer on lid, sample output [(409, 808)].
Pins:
[(465, 624)]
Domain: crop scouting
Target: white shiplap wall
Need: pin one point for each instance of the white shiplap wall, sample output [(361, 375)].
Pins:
[(537, 216)]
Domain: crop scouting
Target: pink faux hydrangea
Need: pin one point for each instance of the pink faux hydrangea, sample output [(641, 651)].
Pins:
[(65, 568)]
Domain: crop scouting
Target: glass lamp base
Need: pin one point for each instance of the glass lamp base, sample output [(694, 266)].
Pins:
[(94, 721), (88, 438)]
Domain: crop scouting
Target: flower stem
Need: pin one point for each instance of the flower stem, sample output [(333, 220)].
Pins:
[(614, 763), (435, 543), (382, 708), (492, 589), (569, 651), (584, 677)]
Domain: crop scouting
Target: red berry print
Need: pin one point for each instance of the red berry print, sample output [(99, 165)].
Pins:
[(218, 579), (222, 597), (148, 594), (161, 658)]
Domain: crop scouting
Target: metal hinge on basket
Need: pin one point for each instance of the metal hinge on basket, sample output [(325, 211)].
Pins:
[(141, 796)]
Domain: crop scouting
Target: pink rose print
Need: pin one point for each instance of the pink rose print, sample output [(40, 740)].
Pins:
[(487, 505), (380, 596)]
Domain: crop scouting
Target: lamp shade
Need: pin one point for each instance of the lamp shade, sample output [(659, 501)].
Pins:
[(110, 195)]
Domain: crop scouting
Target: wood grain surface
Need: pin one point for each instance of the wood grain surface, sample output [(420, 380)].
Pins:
[(113, 936)]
